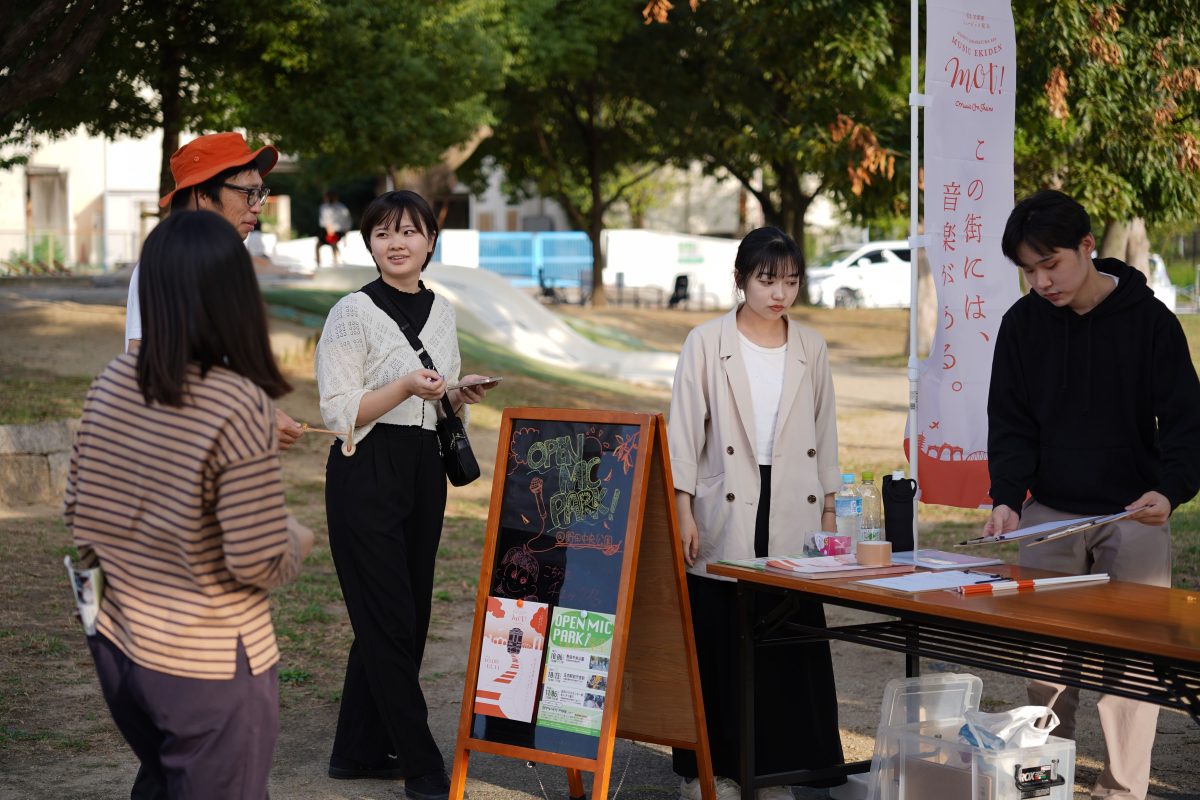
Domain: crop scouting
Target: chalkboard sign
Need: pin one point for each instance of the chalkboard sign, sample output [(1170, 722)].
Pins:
[(582, 508)]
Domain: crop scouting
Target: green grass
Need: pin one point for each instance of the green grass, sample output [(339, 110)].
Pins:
[(605, 335), (311, 301), (32, 396)]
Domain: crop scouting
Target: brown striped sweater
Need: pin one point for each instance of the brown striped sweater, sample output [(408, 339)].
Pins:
[(183, 507)]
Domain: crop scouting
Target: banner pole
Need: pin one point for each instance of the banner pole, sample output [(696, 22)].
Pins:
[(915, 243)]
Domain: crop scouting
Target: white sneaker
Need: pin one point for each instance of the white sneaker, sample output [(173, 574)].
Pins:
[(775, 793), (726, 789)]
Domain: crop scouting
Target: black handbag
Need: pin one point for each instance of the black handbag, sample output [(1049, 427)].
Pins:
[(457, 456)]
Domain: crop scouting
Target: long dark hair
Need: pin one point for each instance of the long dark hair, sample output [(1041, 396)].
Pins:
[(200, 303)]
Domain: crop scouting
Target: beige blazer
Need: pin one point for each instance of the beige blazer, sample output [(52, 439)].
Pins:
[(711, 438)]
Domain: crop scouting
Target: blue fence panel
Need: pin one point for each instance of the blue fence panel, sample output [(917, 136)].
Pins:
[(508, 254), (563, 257)]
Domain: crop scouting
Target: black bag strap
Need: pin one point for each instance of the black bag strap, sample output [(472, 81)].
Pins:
[(380, 298)]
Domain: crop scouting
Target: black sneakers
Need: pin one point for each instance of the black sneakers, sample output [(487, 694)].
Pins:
[(430, 786), (345, 769)]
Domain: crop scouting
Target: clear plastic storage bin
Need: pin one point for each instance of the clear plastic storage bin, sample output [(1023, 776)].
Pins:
[(918, 754), (934, 764)]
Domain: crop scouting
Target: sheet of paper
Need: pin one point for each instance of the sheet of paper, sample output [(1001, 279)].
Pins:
[(940, 559), (1045, 527), (575, 686), (514, 636), (928, 581)]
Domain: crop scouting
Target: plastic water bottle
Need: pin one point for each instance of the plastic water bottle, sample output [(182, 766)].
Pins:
[(871, 528), (847, 506)]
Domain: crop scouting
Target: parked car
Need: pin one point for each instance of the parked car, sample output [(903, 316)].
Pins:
[(874, 275)]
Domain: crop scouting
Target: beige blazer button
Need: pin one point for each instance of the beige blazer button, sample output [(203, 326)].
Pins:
[(730, 497), (729, 449), (812, 498), (812, 453)]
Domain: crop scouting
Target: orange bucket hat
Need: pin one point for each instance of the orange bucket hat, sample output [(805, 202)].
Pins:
[(205, 156)]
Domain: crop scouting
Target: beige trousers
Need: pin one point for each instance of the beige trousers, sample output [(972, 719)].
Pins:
[(1127, 551)]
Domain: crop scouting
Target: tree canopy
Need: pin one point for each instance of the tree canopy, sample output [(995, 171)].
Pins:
[(1109, 108), (371, 84), (789, 107), (574, 119)]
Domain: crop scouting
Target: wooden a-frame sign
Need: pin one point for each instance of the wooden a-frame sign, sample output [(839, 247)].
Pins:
[(589, 495)]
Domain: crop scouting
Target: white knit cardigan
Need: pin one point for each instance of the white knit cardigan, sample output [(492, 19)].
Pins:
[(362, 349)]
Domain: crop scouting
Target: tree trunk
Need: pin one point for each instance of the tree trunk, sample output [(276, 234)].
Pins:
[(1116, 237), (170, 92), (595, 229), (1137, 247), (793, 208)]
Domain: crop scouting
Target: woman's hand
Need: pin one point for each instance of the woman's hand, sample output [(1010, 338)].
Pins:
[(303, 535), (470, 394), (425, 384), (689, 534), (289, 429), (829, 513)]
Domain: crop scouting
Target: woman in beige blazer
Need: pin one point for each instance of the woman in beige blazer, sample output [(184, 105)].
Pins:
[(753, 440)]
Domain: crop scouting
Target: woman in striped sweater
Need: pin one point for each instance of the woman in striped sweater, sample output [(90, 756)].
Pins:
[(175, 490)]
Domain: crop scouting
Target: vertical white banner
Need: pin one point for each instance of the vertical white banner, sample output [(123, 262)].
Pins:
[(970, 85)]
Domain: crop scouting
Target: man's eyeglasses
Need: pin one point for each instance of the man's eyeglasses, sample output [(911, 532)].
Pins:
[(254, 196)]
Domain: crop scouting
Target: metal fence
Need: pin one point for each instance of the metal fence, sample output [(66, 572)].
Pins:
[(547, 259)]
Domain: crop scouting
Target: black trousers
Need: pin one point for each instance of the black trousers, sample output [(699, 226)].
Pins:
[(196, 739), (384, 506), (795, 710)]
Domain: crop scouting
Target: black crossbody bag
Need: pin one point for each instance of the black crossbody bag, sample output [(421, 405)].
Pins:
[(459, 459)]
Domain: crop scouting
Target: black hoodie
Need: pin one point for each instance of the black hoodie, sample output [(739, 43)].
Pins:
[(1088, 412)]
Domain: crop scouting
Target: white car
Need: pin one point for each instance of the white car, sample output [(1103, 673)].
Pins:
[(875, 275)]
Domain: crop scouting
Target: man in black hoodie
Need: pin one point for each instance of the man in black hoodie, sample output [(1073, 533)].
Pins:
[(1094, 408)]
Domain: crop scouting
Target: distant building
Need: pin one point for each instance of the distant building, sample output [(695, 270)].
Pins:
[(89, 200)]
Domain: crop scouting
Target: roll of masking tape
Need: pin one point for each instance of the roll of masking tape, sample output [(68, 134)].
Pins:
[(874, 554)]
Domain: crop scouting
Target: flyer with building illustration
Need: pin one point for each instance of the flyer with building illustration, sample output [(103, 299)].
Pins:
[(514, 638), (576, 675)]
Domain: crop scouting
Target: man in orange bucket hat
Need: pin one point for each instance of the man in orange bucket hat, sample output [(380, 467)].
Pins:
[(217, 172)]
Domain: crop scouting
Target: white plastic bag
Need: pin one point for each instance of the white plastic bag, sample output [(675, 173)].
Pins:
[(1017, 727)]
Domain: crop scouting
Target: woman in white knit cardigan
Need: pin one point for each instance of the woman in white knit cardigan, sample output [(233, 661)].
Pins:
[(385, 502)]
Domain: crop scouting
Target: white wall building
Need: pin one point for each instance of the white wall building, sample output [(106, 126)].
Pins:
[(82, 199)]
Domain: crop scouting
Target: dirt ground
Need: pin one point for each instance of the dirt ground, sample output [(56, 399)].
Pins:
[(56, 738)]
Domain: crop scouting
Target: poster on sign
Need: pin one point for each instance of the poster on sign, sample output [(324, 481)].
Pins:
[(514, 637), (970, 85)]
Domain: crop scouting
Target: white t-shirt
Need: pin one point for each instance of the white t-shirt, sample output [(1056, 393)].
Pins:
[(133, 311), (764, 367)]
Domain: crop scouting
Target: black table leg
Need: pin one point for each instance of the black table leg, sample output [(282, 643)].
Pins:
[(746, 667)]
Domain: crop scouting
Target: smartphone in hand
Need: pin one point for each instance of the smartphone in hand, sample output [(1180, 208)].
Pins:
[(487, 383)]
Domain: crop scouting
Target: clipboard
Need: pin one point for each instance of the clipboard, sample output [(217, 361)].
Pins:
[(1079, 527), (1048, 531)]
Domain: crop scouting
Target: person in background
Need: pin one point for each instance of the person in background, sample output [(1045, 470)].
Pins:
[(334, 219), (386, 501), (219, 173), (1093, 408), (753, 441), (174, 490)]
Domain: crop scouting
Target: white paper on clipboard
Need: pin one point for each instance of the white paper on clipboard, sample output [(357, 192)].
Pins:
[(1079, 527), (1033, 530)]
